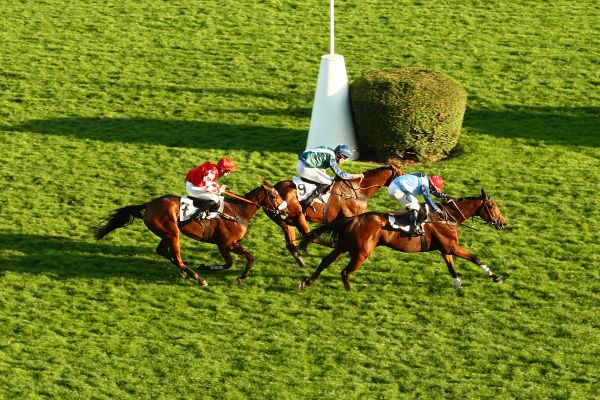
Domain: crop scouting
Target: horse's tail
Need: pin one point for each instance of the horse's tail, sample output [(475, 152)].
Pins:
[(120, 218), (334, 229)]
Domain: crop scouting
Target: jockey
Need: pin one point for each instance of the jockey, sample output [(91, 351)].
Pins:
[(405, 187), (201, 184), (311, 165)]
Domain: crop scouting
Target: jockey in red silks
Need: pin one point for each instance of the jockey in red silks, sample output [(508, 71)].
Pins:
[(404, 189), (201, 184)]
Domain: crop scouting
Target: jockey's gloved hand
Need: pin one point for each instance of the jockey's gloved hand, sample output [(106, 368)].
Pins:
[(447, 197), (443, 214)]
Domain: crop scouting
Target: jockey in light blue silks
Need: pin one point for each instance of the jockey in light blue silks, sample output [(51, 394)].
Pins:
[(404, 189), (312, 163)]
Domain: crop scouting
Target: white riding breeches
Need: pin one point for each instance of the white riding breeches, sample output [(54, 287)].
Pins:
[(314, 174), (198, 193), (406, 199)]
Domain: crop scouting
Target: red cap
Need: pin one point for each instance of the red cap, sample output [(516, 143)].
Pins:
[(226, 164), (437, 181)]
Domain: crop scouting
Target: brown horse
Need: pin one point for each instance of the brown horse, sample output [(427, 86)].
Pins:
[(348, 198), (360, 235), (161, 216)]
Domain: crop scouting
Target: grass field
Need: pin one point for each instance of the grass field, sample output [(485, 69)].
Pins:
[(106, 104)]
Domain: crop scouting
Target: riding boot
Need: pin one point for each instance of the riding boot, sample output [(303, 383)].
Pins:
[(204, 209), (321, 188), (415, 230)]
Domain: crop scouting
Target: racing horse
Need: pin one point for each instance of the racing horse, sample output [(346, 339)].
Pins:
[(347, 198), (360, 235), (161, 217)]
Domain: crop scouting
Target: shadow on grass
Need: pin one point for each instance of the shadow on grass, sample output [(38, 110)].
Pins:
[(67, 258), (578, 126), (173, 133), (570, 126)]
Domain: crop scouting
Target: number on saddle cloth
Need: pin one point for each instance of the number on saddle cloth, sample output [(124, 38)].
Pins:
[(305, 188)]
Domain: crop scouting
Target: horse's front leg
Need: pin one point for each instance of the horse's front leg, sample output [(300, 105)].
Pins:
[(225, 251), (238, 249), (326, 262), (290, 239), (450, 264), (467, 255)]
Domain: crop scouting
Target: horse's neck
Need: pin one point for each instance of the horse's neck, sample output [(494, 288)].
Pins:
[(246, 210), (468, 207), (374, 180)]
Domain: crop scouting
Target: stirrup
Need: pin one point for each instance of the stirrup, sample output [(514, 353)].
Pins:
[(201, 216), (416, 230)]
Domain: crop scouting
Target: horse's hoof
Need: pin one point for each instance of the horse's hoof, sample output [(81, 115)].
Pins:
[(202, 267), (184, 275), (240, 280), (496, 279), (299, 259), (302, 285), (202, 282)]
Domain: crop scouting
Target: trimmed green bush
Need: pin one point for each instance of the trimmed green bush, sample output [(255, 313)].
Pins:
[(407, 113)]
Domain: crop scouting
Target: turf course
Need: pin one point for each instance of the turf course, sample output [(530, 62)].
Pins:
[(105, 104)]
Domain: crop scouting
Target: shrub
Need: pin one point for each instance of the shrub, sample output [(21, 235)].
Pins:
[(407, 113)]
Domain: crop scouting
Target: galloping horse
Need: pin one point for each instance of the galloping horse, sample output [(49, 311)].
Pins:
[(360, 235), (348, 198), (161, 216)]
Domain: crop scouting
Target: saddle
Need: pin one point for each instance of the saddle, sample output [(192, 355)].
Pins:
[(399, 220), (192, 207)]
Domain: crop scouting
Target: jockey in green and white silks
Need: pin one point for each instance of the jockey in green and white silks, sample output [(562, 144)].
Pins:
[(313, 162)]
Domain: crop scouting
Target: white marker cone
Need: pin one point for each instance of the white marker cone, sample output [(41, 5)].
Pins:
[(331, 120)]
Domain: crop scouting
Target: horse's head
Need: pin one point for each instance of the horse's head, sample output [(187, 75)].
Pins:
[(272, 201), (396, 171), (490, 212)]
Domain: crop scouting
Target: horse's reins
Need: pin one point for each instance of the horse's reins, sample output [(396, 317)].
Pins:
[(235, 196), (453, 203), (394, 174)]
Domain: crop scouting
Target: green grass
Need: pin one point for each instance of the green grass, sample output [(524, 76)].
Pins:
[(105, 104)]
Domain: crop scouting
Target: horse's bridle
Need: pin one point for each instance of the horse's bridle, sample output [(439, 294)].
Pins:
[(493, 221), (277, 210)]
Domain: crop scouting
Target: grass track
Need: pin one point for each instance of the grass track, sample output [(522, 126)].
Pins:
[(104, 104)]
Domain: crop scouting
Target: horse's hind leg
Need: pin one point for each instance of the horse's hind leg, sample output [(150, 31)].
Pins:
[(172, 243), (163, 250), (467, 255), (326, 262), (355, 262)]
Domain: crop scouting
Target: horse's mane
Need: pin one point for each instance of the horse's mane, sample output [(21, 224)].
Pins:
[(469, 198)]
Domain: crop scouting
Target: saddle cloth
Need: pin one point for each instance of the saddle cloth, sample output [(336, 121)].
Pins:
[(187, 209), (304, 189)]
